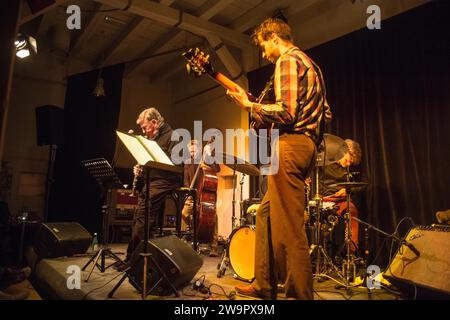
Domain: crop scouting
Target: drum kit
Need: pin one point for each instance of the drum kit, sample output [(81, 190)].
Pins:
[(322, 217)]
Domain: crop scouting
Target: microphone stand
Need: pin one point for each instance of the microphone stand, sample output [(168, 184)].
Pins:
[(394, 236)]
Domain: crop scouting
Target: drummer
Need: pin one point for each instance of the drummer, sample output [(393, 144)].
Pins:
[(341, 171)]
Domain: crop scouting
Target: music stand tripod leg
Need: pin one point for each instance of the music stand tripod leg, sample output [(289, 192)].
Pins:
[(94, 264), (93, 257), (118, 284)]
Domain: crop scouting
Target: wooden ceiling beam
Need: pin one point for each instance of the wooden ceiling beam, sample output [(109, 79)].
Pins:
[(41, 12), (87, 28), (120, 41), (206, 11), (180, 19), (263, 11)]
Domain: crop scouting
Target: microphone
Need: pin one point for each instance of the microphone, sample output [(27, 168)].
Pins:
[(411, 246)]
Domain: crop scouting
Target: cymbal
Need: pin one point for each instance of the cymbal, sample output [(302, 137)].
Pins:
[(349, 185), (240, 165), (253, 208), (332, 148)]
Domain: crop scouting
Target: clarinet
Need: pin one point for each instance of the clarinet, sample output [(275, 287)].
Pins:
[(133, 189)]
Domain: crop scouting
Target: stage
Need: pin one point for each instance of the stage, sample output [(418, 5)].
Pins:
[(49, 279)]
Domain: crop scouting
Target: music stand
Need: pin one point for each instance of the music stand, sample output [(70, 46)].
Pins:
[(101, 170), (148, 154)]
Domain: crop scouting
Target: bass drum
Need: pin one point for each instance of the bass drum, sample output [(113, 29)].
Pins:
[(241, 252)]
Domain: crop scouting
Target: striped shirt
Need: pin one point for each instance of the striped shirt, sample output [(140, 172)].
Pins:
[(300, 95)]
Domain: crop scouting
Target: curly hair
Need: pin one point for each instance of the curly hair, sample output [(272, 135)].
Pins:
[(272, 26), (355, 151)]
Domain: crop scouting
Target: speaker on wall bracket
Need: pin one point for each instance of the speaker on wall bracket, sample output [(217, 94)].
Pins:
[(424, 276)]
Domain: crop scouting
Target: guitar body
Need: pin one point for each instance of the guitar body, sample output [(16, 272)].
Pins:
[(206, 207)]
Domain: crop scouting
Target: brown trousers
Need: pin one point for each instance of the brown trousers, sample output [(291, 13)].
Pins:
[(282, 251)]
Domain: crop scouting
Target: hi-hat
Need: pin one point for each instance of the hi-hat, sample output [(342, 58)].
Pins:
[(240, 165), (332, 149)]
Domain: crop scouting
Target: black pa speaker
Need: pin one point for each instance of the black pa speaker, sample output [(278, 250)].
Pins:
[(169, 255), (61, 239), (425, 276), (49, 125)]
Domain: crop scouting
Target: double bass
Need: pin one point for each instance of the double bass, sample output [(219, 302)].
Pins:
[(206, 200)]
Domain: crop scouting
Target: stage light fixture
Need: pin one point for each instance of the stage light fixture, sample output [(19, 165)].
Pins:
[(25, 45)]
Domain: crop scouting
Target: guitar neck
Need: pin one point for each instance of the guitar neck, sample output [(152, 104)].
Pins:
[(223, 80), (227, 83)]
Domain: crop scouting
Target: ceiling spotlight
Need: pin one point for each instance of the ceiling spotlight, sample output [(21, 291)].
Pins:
[(25, 45)]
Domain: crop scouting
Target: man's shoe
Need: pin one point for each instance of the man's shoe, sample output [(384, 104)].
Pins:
[(252, 292)]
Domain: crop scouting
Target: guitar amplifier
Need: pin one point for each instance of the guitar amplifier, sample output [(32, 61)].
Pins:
[(427, 275)]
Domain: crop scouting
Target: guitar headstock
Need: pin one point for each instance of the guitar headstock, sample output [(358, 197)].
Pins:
[(198, 62)]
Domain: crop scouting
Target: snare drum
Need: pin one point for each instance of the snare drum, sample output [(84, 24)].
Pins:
[(241, 252), (328, 212)]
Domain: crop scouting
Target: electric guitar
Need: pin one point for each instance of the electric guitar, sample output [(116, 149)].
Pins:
[(199, 64)]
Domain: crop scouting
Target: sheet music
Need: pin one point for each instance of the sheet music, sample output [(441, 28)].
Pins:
[(158, 154), (135, 147)]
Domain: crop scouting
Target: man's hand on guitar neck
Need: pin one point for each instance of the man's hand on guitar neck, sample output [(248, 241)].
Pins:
[(240, 96)]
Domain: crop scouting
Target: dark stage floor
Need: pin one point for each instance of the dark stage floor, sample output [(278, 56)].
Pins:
[(50, 281)]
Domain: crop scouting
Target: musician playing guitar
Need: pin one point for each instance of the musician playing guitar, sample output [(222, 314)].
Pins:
[(300, 108), (202, 177)]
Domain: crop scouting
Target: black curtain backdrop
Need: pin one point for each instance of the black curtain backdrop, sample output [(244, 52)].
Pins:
[(389, 90), (89, 128)]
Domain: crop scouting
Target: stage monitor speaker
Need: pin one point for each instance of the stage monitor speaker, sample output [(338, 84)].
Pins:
[(49, 125), (61, 239), (426, 276), (170, 255)]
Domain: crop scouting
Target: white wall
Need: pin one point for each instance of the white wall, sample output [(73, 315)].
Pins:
[(37, 81)]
